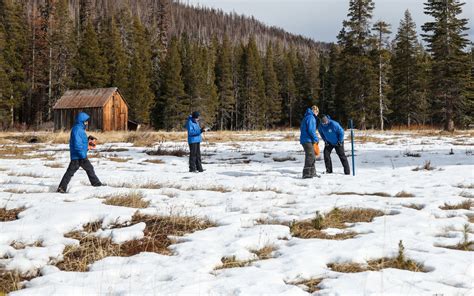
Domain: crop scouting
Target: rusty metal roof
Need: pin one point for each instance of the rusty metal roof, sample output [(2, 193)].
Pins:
[(85, 98)]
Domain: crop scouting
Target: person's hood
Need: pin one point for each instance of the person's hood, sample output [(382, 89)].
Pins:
[(192, 119), (308, 112), (329, 120), (81, 118)]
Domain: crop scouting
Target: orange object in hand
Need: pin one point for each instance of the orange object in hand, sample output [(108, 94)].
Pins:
[(316, 149), (92, 142)]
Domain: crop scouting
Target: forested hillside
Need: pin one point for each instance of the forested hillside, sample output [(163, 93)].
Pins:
[(169, 59)]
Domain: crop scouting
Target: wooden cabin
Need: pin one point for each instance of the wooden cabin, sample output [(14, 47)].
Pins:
[(106, 107)]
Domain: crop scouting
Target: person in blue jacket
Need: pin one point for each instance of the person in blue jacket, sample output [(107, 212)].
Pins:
[(194, 140), (78, 146), (308, 138), (333, 135)]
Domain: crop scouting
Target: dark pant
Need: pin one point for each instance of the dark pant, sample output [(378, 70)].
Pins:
[(309, 169), (195, 157), (74, 165), (342, 156)]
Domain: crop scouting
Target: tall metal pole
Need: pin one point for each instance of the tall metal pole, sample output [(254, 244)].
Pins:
[(352, 144)]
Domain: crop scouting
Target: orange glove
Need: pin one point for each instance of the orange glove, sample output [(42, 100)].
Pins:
[(316, 149), (92, 144)]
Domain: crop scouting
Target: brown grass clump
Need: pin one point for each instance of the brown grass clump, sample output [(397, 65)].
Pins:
[(9, 215), (465, 186), (466, 205), (132, 199), (160, 151), (310, 285), (157, 232), (156, 239), (400, 262), (231, 261), (11, 281), (465, 244), (147, 185), (283, 159), (426, 167), (381, 194), (119, 159), (417, 207), (22, 191), (54, 165), (258, 189), (466, 194), (336, 218), (155, 161), (404, 194), (26, 174)]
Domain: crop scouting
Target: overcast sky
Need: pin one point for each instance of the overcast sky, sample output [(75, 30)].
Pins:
[(322, 19)]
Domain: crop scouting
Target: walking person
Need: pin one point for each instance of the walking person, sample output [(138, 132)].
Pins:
[(78, 146), (308, 138), (194, 140), (333, 136)]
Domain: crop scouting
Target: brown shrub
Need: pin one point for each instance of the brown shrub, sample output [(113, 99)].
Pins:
[(132, 199), (310, 285), (466, 205), (400, 262), (9, 215), (336, 218), (404, 194), (426, 167), (381, 194)]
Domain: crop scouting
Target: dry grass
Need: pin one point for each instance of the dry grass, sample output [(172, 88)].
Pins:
[(23, 191), (231, 261), (54, 165), (119, 159), (155, 161), (283, 159), (404, 194), (466, 194), (465, 186), (157, 231), (336, 218), (9, 215), (11, 281), (400, 262), (260, 189), (146, 185), (466, 205), (470, 218), (160, 151), (465, 244), (309, 286), (134, 199), (426, 167), (381, 194), (26, 174), (417, 207)]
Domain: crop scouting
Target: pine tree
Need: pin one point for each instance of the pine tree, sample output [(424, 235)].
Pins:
[(355, 70), (117, 59), (172, 91), (272, 90), (407, 95), (382, 29), (90, 64), (15, 52), (63, 50), (253, 88), (286, 78), (446, 39), (141, 101), (210, 101), (328, 70), (225, 84), (5, 84)]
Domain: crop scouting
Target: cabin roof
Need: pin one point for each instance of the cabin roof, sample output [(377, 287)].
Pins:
[(85, 98)]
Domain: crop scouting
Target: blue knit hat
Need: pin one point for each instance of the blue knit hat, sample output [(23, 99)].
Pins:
[(195, 114)]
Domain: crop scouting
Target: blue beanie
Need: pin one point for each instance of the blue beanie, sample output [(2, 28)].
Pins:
[(195, 114)]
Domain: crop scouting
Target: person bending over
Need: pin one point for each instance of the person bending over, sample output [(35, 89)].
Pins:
[(333, 136)]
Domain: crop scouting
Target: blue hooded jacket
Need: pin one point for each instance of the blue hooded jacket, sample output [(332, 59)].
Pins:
[(194, 131), (331, 132), (308, 128), (78, 143)]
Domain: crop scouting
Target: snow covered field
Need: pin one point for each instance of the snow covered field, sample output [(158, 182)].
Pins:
[(252, 191)]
